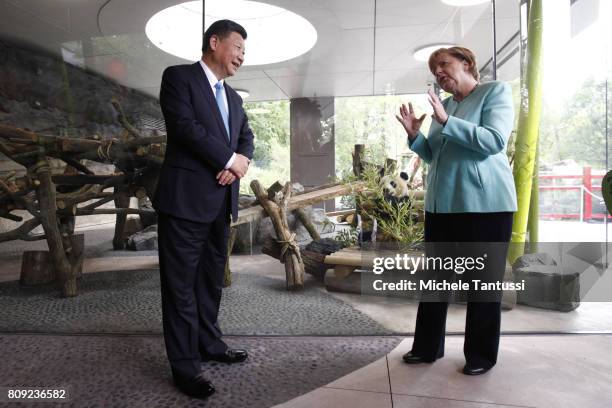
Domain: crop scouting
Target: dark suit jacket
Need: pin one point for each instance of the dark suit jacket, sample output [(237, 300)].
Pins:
[(198, 146)]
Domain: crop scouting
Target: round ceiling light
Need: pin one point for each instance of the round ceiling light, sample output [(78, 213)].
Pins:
[(177, 30), (460, 3), (423, 53), (243, 93)]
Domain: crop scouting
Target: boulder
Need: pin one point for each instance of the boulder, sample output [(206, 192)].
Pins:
[(144, 240)]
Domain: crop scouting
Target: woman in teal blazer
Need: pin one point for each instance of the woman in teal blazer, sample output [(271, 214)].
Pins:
[(470, 193)]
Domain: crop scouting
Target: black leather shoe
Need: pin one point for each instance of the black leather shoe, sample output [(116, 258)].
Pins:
[(230, 356), (196, 387), (467, 370), (410, 358)]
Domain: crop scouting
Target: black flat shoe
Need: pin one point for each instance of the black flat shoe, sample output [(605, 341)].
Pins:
[(196, 387), (410, 358), (467, 370), (230, 356)]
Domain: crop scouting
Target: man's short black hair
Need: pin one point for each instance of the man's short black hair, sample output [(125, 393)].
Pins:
[(222, 28)]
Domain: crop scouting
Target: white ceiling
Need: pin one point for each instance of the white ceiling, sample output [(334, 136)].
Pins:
[(364, 47)]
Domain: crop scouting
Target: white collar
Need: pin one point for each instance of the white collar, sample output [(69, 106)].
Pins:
[(212, 78)]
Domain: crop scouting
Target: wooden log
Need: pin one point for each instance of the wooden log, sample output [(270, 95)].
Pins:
[(21, 232), (124, 121), (78, 145), (294, 268), (314, 256), (77, 243), (227, 275), (272, 248), (301, 216), (302, 200), (342, 271), (340, 212), (76, 164), (48, 217), (122, 200), (82, 179), (36, 268), (9, 216), (358, 155), (81, 211)]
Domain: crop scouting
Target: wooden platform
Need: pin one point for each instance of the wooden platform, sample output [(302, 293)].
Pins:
[(301, 200), (348, 259)]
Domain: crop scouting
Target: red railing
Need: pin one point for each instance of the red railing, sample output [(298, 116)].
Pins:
[(588, 190)]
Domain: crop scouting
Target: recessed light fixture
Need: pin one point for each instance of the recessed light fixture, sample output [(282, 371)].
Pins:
[(274, 33), (243, 93), (423, 53), (460, 3)]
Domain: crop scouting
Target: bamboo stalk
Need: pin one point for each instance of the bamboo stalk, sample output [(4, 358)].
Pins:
[(527, 135), (534, 211)]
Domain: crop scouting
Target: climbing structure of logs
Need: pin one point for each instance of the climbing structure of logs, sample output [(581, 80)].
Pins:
[(276, 207), (54, 200)]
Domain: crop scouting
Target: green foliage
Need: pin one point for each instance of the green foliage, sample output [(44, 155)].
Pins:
[(397, 220), (269, 122), (347, 236), (370, 120), (576, 130)]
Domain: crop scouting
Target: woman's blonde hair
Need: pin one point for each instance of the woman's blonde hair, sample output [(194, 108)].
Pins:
[(460, 53)]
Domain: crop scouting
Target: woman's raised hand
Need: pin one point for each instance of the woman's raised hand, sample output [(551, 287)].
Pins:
[(439, 114), (409, 121)]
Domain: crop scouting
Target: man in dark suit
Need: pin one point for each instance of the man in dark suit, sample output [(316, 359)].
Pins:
[(209, 149)]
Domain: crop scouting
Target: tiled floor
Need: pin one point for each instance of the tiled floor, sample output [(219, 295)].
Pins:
[(533, 371)]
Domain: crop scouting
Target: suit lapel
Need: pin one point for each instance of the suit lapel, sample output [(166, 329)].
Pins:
[(232, 105), (202, 81)]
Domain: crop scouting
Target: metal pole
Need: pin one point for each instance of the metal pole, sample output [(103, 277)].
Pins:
[(494, 42)]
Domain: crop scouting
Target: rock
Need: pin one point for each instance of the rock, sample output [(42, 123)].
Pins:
[(549, 287), (533, 259), (247, 232), (266, 229), (297, 188), (318, 218), (245, 200), (147, 219), (144, 240), (321, 222), (245, 237), (508, 296), (132, 226)]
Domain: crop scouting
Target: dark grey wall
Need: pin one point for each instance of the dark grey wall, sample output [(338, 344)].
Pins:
[(312, 142), (42, 93)]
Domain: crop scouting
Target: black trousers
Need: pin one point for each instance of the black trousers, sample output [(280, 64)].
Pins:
[(483, 320), (192, 259)]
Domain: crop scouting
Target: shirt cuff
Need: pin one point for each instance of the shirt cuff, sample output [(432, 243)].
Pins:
[(230, 161), (416, 142)]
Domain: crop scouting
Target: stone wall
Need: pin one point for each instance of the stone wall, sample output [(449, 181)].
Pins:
[(40, 92)]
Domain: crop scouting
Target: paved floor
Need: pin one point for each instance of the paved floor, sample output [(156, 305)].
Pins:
[(533, 371)]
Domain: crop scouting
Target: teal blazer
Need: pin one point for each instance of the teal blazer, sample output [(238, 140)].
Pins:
[(468, 167)]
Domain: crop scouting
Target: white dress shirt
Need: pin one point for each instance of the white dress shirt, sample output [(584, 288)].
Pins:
[(212, 80)]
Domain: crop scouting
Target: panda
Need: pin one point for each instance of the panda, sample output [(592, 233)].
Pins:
[(395, 187)]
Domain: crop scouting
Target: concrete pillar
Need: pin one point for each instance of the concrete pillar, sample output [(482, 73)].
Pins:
[(312, 142)]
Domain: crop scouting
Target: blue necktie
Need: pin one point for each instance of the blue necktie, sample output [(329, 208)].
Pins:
[(221, 105)]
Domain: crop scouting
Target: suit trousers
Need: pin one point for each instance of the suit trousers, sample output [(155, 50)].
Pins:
[(483, 319), (192, 257)]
